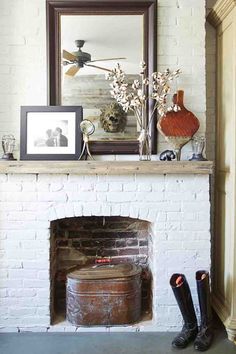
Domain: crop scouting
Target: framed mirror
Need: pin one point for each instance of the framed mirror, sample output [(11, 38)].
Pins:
[(100, 34)]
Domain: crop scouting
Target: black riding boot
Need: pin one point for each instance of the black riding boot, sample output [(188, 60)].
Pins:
[(205, 334), (183, 297)]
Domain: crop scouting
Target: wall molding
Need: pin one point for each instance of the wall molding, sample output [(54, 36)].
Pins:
[(229, 322), (221, 9)]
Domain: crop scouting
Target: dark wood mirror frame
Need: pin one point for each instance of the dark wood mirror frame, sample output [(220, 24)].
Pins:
[(56, 8)]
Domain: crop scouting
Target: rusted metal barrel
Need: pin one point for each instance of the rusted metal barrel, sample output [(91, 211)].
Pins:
[(104, 295)]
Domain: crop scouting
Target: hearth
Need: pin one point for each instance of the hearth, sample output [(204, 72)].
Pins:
[(82, 241)]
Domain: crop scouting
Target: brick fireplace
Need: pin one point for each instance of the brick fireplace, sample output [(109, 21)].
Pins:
[(174, 208)]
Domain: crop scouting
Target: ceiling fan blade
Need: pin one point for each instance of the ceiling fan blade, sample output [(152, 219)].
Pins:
[(98, 67), (106, 59), (68, 56), (72, 71)]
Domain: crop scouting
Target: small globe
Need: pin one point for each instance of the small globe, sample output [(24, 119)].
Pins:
[(87, 127)]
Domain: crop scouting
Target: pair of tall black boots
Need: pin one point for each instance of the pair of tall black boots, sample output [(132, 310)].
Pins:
[(203, 335)]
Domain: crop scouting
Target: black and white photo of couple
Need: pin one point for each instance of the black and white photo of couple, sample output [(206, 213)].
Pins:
[(56, 138), (53, 136)]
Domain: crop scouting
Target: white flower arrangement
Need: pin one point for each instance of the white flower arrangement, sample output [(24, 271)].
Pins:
[(135, 96)]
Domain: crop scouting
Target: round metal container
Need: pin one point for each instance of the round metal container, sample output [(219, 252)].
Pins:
[(104, 295)]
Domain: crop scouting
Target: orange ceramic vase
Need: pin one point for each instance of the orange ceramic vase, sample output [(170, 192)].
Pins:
[(178, 127)]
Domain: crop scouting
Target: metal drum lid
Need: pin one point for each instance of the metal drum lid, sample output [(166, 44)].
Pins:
[(110, 271)]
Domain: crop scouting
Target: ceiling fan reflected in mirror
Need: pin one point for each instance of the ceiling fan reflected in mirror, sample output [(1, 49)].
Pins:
[(79, 59)]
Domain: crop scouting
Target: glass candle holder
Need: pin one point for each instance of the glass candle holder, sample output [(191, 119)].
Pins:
[(8, 146), (198, 145)]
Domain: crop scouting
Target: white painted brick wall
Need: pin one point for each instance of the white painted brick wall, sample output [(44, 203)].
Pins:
[(180, 43), (177, 207)]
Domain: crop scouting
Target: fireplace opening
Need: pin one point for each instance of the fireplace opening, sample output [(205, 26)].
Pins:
[(79, 241)]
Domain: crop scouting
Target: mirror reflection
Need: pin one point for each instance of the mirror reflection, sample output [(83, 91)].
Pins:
[(91, 45)]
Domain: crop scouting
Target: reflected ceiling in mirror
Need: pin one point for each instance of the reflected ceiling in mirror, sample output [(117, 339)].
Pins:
[(107, 36)]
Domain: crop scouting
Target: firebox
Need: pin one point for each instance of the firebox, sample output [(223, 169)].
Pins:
[(79, 242)]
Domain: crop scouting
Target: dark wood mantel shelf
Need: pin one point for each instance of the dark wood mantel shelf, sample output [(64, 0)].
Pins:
[(105, 167)]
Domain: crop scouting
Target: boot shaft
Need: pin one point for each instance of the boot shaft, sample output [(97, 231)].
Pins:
[(204, 297), (184, 300)]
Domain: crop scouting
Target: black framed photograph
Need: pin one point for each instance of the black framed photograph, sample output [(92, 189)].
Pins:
[(50, 132)]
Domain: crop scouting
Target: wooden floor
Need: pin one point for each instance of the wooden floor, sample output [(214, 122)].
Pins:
[(99, 343)]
